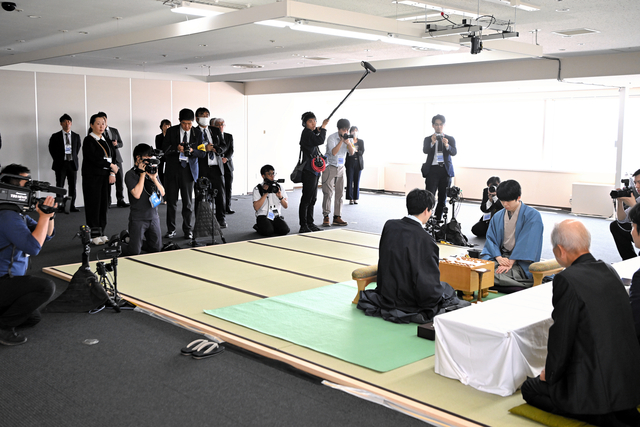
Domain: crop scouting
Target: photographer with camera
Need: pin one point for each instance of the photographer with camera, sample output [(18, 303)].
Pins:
[(268, 198), (21, 237), (338, 145), (438, 169), (621, 229), (490, 205), (146, 194)]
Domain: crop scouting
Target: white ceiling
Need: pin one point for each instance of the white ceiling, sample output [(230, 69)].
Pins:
[(144, 35)]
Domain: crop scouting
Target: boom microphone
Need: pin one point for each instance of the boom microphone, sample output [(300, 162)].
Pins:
[(368, 69), (368, 66)]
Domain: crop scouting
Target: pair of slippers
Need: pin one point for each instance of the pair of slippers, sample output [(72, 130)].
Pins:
[(202, 349)]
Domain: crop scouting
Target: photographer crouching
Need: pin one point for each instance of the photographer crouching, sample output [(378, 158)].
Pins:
[(146, 191), (268, 198), (621, 229), (21, 237), (489, 206)]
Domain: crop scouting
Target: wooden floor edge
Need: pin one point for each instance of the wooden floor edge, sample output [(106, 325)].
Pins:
[(57, 273), (435, 414)]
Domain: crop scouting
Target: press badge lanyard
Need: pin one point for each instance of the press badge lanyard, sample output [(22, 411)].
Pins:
[(106, 155), (154, 199)]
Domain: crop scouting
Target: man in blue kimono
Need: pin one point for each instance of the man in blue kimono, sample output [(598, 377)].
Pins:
[(514, 239)]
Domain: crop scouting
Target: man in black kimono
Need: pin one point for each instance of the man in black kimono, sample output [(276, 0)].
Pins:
[(592, 371), (409, 287)]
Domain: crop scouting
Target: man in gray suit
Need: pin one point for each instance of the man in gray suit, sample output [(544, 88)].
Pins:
[(227, 159)]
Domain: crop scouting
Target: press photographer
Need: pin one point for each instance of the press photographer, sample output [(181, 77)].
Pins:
[(621, 229), (146, 194), (21, 237), (489, 206), (268, 198)]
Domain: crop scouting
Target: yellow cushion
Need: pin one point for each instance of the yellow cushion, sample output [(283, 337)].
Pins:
[(363, 272), (550, 264), (546, 418)]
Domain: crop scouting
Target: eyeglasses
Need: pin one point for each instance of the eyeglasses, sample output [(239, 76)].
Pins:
[(270, 174)]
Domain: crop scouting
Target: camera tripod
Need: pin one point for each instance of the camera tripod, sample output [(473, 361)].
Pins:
[(111, 288)]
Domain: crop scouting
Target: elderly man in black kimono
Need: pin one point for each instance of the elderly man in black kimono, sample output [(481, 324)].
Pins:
[(409, 287), (592, 372)]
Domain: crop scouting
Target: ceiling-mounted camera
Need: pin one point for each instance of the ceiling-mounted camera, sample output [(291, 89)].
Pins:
[(8, 6)]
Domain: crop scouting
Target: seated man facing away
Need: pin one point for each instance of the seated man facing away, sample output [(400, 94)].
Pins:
[(514, 239), (634, 290), (409, 287), (592, 371), (268, 199)]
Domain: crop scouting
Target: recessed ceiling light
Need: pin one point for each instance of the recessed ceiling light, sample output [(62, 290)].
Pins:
[(562, 49), (575, 32), (197, 57), (202, 45), (64, 31), (116, 57), (9, 48), (279, 47), (562, 10), (247, 66), (83, 32), (20, 41), (34, 16), (580, 44), (117, 17)]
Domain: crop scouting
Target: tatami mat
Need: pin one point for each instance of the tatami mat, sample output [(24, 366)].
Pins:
[(183, 283)]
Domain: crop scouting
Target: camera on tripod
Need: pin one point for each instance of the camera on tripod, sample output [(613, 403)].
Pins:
[(274, 186), (453, 193), (204, 189), (23, 198), (625, 191)]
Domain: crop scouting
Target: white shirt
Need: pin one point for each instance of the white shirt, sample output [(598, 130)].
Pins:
[(332, 142), (271, 202)]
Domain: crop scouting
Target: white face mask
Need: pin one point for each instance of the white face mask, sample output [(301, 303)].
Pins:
[(203, 121)]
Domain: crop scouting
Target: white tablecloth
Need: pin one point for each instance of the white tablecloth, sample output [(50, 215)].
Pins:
[(495, 345)]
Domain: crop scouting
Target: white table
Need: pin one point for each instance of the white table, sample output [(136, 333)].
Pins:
[(495, 345), (626, 269)]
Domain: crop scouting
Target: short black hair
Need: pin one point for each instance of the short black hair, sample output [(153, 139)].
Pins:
[(265, 169), (634, 214), (509, 190), (142, 150), (185, 114), (94, 117), (636, 173), (102, 114), (165, 122), (200, 111), (64, 117), (353, 128), (13, 169), (344, 124), (494, 180), (438, 117), (418, 200)]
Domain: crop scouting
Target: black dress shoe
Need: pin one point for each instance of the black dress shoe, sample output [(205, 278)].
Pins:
[(11, 337), (222, 224), (304, 229), (188, 236), (314, 227), (170, 234), (229, 211), (74, 209), (123, 204)]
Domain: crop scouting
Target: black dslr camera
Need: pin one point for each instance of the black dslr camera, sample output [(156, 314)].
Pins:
[(185, 148), (23, 199), (493, 189), (347, 136), (151, 165), (454, 192), (274, 186), (626, 190)]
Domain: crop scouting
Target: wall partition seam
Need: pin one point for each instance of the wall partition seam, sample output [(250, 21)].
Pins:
[(35, 96), (130, 145), (623, 96)]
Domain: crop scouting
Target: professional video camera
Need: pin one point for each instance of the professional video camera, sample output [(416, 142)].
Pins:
[(626, 190), (204, 190), (274, 186), (151, 165), (454, 193), (23, 199)]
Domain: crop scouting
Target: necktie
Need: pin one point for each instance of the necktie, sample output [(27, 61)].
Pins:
[(184, 142), (206, 142), (67, 156)]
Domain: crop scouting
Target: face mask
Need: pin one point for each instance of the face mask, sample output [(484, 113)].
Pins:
[(203, 121)]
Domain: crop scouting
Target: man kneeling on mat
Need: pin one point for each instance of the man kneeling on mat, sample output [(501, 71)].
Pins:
[(268, 198), (592, 371), (409, 287)]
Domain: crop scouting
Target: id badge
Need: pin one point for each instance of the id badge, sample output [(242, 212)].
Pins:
[(67, 149), (340, 161), (271, 215), (183, 158), (486, 217), (440, 158), (154, 199)]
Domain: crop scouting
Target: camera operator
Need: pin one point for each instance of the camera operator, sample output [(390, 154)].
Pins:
[(621, 229), (146, 194), (490, 205), (21, 237), (268, 197)]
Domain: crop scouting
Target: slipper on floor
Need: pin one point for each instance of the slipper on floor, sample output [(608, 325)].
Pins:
[(192, 346), (207, 350)]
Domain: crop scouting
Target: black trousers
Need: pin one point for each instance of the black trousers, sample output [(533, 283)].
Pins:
[(217, 182), (228, 182), (536, 393), (119, 185), (480, 228), (96, 190), (353, 183), (621, 233), (309, 197), (68, 172), (268, 228), (20, 297), (179, 179), (438, 181)]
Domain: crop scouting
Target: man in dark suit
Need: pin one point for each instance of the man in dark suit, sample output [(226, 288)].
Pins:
[(227, 159), (438, 169), (211, 165), (592, 372), (181, 155), (64, 147), (112, 136)]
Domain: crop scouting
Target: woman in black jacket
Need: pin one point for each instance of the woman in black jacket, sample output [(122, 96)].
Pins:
[(98, 173), (354, 166)]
